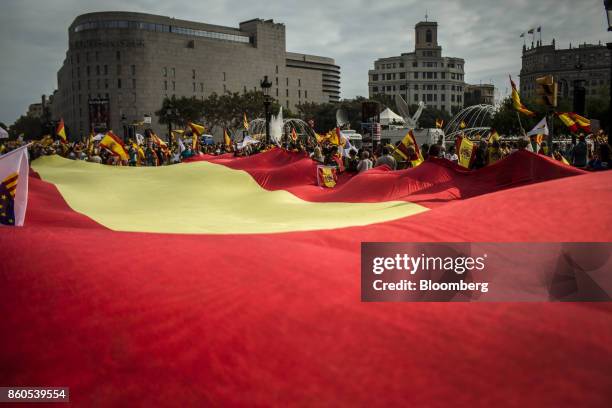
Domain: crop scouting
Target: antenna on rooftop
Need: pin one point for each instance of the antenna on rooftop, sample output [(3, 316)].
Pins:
[(426, 16)]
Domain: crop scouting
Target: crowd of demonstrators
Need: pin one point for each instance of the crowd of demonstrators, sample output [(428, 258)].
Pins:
[(588, 152)]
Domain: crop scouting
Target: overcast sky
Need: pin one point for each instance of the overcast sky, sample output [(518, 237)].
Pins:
[(34, 37)]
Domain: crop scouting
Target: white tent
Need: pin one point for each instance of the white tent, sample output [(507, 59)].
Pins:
[(387, 117), (3, 134)]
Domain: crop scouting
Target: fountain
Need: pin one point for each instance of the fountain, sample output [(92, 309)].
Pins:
[(477, 119)]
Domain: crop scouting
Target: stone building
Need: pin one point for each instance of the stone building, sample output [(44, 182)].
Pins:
[(121, 65), (587, 63), (422, 75), (479, 94)]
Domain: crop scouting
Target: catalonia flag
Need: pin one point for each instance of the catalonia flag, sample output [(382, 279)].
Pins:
[(516, 100), (112, 143), (466, 150), (61, 131), (583, 123)]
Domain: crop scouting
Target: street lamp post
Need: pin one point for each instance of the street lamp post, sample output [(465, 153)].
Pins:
[(265, 88), (170, 113), (608, 6)]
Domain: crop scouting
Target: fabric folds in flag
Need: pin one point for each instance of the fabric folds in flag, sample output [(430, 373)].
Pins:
[(61, 131), (516, 101), (112, 143)]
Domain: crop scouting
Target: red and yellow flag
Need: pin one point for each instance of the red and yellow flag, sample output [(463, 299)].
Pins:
[(466, 150), (403, 153), (112, 143), (327, 176), (575, 122), (245, 122), (439, 123), (516, 100), (493, 136), (61, 131), (294, 135), (227, 139)]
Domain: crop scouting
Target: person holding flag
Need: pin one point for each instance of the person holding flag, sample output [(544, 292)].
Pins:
[(197, 132), (228, 140)]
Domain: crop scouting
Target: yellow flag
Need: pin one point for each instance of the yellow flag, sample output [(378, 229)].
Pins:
[(466, 150), (245, 122)]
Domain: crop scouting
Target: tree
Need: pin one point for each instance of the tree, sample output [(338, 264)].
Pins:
[(28, 126)]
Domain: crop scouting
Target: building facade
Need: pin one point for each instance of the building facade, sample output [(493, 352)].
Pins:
[(422, 75), (479, 94), (587, 63), (120, 66)]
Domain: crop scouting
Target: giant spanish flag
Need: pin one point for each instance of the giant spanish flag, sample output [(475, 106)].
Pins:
[(235, 282), (516, 101)]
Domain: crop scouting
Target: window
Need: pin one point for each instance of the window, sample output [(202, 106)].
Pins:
[(374, 89), (287, 80), (118, 83), (97, 70), (416, 75), (193, 74), (375, 77), (118, 69), (173, 72), (98, 83), (88, 70), (305, 94), (133, 83), (453, 98), (443, 97), (165, 85), (287, 93), (443, 75), (415, 64), (416, 87), (402, 75), (277, 69), (299, 94), (133, 69), (165, 71), (416, 97), (401, 65), (201, 86), (88, 84), (106, 70), (194, 86), (173, 85), (105, 83), (118, 55), (299, 82)]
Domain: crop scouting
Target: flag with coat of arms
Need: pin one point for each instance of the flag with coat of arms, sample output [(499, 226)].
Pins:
[(14, 186)]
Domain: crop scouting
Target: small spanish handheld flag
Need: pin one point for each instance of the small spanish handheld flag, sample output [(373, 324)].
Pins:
[(403, 152), (61, 131), (516, 100), (466, 150), (245, 122), (112, 143), (227, 138)]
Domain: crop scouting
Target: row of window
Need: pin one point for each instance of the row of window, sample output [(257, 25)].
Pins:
[(424, 64), (162, 28), (416, 88), (105, 84), (97, 57), (101, 70), (416, 75)]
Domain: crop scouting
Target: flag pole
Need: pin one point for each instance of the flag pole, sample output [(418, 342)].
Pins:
[(520, 123)]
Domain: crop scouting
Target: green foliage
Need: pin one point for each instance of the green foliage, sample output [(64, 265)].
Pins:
[(217, 111), (30, 127)]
